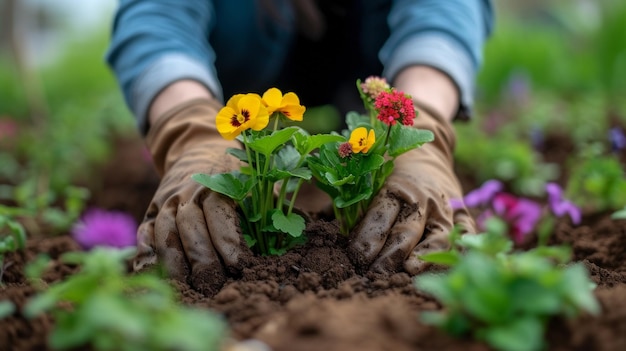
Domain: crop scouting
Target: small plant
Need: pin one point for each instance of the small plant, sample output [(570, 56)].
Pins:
[(501, 297), (12, 236), (274, 167), (521, 216), (597, 181), (352, 170), (104, 308)]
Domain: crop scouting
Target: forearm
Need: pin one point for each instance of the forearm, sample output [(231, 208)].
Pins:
[(440, 37), (157, 43), (175, 94), (430, 89)]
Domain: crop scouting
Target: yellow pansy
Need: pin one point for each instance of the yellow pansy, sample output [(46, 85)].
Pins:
[(242, 112), (361, 140), (288, 104)]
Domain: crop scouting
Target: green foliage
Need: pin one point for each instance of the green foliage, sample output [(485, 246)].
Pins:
[(597, 182), (502, 297), (573, 51), (275, 159), (104, 308), (12, 236), (504, 157)]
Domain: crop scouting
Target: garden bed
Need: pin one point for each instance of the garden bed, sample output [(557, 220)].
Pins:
[(313, 298)]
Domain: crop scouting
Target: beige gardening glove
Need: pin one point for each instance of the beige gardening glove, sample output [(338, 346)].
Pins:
[(193, 232), (411, 215)]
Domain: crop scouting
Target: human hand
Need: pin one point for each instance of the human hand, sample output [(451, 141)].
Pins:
[(411, 215), (193, 232)]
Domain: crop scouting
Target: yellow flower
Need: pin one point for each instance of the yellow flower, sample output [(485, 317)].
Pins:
[(288, 105), (361, 140), (242, 112)]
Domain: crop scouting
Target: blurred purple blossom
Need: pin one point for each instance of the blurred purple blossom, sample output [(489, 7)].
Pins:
[(478, 197), (98, 227), (617, 138), (521, 214), (559, 206), (518, 88)]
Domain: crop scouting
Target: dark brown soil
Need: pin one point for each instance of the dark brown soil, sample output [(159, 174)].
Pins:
[(313, 298)]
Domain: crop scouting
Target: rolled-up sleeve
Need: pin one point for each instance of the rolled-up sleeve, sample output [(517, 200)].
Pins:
[(447, 35), (155, 43)]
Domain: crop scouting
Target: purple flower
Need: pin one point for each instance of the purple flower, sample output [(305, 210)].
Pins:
[(519, 88), (521, 214), (98, 227), (479, 197), (560, 206), (617, 139)]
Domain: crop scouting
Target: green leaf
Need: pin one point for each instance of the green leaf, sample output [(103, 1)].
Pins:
[(355, 120), (521, 334), (342, 202), (359, 166), (579, 288), (448, 258), (292, 224), (287, 158), (309, 143), (621, 214), (404, 138), (6, 308), (332, 180), (436, 285), (267, 144), (488, 243), (225, 183), (238, 153)]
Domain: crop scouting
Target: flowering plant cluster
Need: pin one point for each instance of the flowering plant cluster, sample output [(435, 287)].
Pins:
[(273, 170), (355, 168), (278, 157), (520, 216)]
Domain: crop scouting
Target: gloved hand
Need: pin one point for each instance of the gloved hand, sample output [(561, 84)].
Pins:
[(189, 229), (411, 214)]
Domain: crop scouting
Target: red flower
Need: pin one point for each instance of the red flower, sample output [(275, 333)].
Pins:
[(394, 106)]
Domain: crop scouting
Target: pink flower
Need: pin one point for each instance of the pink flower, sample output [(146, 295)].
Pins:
[(98, 227), (374, 85), (345, 150), (393, 106), (8, 128)]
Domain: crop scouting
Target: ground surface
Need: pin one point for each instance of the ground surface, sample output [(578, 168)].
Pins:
[(313, 299)]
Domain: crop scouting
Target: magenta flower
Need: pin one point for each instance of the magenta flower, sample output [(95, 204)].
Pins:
[(559, 206), (98, 227), (394, 106), (8, 128), (521, 214)]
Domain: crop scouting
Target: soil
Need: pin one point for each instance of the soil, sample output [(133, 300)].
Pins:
[(313, 298)]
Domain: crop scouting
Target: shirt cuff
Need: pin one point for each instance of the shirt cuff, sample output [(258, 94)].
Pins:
[(440, 52), (163, 72)]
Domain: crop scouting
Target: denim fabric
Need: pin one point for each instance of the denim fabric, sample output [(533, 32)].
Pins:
[(243, 45)]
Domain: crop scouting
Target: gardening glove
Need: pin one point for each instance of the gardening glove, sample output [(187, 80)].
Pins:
[(411, 215), (189, 229)]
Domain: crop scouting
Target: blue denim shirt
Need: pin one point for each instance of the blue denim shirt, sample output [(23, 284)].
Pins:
[(235, 46)]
